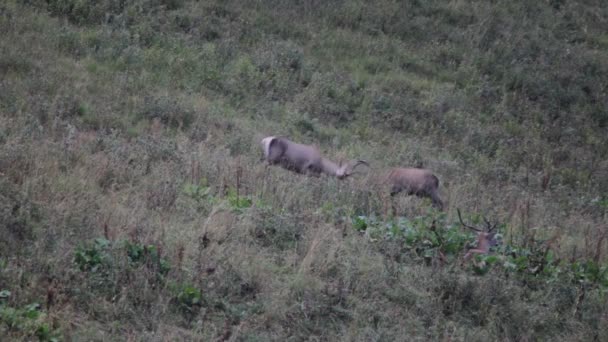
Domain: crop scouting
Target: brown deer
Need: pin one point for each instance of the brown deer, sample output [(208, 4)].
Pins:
[(410, 181), (486, 238), (414, 181), (307, 159), (304, 159)]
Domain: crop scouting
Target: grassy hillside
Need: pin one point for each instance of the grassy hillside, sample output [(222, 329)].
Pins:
[(133, 203)]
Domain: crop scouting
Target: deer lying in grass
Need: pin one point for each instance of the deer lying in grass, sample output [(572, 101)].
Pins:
[(486, 238), (304, 159)]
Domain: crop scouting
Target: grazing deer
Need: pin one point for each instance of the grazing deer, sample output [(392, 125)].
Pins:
[(486, 238), (304, 159), (414, 181), (411, 181)]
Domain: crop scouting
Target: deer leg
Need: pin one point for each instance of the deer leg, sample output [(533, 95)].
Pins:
[(310, 170), (470, 253), (394, 207), (394, 191), (384, 206)]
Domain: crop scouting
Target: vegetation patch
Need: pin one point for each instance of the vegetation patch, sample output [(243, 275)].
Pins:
[(431, 238), (28, 321)]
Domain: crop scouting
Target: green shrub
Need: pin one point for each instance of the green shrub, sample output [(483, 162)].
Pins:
[(93, 255), (188, 300), (147, 255), (238, 202), (189, 297), (242, 79), (430, 237), (199, 192), (27, 322)]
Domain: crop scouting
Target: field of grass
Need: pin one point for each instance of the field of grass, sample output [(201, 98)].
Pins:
[(134, 206)]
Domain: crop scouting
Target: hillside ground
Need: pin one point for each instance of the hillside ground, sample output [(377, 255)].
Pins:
[(134, 206)]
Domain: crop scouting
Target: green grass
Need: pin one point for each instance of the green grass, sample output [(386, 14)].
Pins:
[(133, 204)]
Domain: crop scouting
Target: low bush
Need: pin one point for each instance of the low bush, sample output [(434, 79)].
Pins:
[(431, 237), (29, 321)]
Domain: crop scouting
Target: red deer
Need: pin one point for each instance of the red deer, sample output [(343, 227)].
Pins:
[(486, 238), (304, 159), (414, 181)]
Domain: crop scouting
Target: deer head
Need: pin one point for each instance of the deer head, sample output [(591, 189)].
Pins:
[(486, 237)]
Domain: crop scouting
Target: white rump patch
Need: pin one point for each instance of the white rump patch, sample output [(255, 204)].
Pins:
[(266, 144)]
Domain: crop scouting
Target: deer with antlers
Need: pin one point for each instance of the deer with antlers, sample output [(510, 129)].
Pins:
[(304, 159), (486, 238)]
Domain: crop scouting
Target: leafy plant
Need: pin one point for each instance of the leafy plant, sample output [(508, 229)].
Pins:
[(189, 299), (360, 223), (238, 202), (427, 236), (44, 332), (483, 263), (90, 258), (29, 321), (199, 192), (147, 254), (430, 236)]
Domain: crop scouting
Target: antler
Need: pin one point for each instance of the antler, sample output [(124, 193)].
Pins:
[(466, 225), (489, 226), (485, 239), (357, 163)]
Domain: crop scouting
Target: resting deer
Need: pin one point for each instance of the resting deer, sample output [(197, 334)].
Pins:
[(304, 159), (486, 238)]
